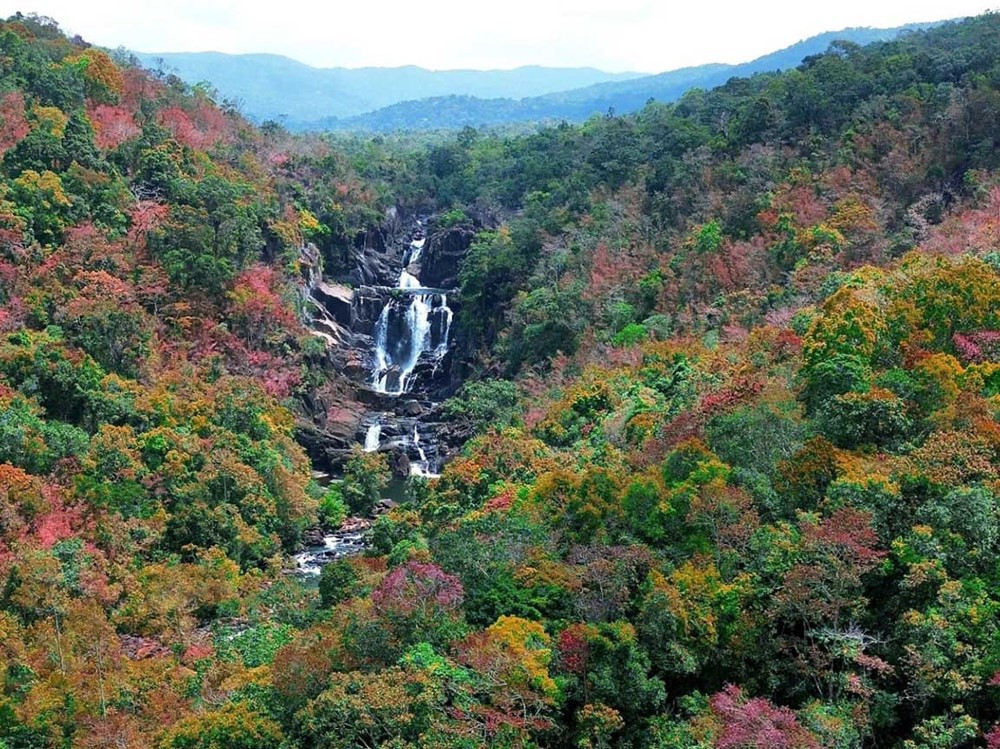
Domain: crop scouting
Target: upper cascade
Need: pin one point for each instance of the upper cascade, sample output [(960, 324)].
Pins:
[(409, 326)]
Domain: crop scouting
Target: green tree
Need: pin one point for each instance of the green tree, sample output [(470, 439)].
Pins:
[(338, 581), (365, 478)]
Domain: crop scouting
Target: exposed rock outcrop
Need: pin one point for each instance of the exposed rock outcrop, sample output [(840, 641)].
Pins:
[(337, 299), (366, 306), (442, 256), (400, 465)]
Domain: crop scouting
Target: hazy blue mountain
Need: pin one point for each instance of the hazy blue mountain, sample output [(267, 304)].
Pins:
[(272, 86), (578, 104)]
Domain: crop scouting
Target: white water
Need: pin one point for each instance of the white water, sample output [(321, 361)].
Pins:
[(421, 319), (416, 248), (418, 311), (442, 347), (410, 325), (335, 546), (373, 437), (416, 443), (423, 466)]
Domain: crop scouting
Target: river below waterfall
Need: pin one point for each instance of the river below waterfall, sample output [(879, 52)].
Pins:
[(407, 348)]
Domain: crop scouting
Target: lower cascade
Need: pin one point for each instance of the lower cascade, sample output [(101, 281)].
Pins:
[(373, 437), (334, 546), (421, 467)]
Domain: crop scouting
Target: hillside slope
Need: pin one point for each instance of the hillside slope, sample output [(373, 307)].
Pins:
[(746, 492)]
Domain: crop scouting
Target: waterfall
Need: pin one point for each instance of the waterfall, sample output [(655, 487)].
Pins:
[(415, 323), (411, 338), (423, 466), (373, 437), (407, 281), (446, 314), (416, 442), (381, 354), (416, 249)]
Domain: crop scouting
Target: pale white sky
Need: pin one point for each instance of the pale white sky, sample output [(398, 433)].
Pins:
[(641, 35)]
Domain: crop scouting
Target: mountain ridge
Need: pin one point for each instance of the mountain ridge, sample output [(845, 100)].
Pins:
[(579, 104), (409, 97), (279, 87)]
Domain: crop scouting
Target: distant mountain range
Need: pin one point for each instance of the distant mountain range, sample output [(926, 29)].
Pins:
[(412, 98), (277, 87)]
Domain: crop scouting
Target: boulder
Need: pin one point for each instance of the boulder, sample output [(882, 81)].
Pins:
[(400, 465), (337, 300), (355, 524), (313, 536), (376, 401)]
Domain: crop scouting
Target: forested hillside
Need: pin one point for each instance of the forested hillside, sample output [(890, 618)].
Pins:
[(735, 387)]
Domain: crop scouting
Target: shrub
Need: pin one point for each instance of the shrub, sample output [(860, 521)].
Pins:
[(486, 404), (631, 335), (332, 509)]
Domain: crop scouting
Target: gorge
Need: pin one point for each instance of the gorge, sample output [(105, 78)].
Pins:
[(392, 340), (713, 391)]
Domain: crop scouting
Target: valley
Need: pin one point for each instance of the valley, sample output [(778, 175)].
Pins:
[(407, 356), (671, 428)]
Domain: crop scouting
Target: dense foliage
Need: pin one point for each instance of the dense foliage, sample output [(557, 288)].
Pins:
[(737, 487)]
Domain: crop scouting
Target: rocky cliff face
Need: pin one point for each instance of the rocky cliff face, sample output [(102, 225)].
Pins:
[(329, 414), (442, 256)]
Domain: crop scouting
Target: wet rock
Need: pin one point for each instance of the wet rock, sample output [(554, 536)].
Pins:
[(376, 401), (431, 376), (312, 536), (412, 408), (383, 506), (391, 378), (400, 465), (366, 306)]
